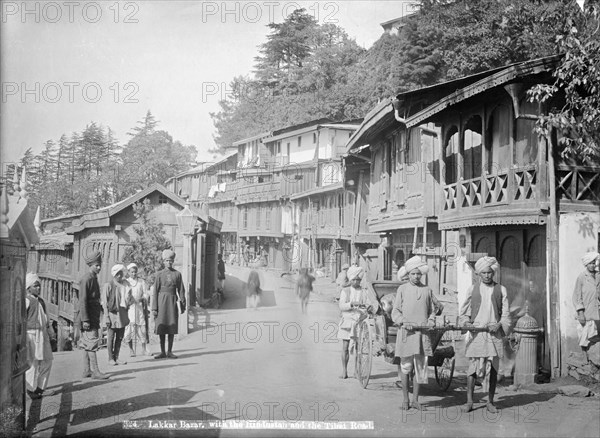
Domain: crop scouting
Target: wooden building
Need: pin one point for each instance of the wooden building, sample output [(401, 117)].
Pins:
[(211, 187), (17, 235), (59, 257), (262, 191), (471, 175)]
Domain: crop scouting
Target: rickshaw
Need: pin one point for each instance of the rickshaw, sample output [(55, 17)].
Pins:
[(377, 337)]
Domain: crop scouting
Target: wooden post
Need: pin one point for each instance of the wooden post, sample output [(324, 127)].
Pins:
[(553, 309), (185, 274)]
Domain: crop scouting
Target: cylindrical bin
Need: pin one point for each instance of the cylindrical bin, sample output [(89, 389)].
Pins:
[(527, 332)]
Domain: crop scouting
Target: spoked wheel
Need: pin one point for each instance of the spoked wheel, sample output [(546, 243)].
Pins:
[(364, 354), (444, 373)]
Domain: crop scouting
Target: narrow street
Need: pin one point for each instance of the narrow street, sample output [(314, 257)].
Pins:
[(277, 364)]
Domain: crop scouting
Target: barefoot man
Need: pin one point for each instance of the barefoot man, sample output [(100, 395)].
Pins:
[(486, 305)]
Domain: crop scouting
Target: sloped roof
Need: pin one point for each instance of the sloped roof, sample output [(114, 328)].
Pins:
[(57, 241), (90, 219)]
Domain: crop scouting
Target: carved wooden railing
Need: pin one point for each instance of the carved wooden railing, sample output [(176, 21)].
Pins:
[(509, 186), (496, 188), (578, 184)]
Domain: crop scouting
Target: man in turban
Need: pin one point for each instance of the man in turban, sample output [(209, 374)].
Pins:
[(352, 299), (342, 279), (39, 333), (116, 299), (415, 304), (88, 316), (586, 300), (485, 305), (168, 289)]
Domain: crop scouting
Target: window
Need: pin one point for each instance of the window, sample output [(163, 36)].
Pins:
[(341, 209), (498, 144), (162, 199), (278, 148), (314, 137), (231, 214), (451, 156), (526, 142), (472, 148), (267, 218), (299, 141), (245, 218)]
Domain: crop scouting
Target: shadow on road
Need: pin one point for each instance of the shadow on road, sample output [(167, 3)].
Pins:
[(127, 408)]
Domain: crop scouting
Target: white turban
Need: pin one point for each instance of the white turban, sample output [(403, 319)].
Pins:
[(354, 272), (589, 258), (31, 279), (168, 254), (116, 269), (411, 264), (486, 262), (131, 265)]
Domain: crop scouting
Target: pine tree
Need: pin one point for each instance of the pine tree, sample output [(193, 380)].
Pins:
[(148, 243)]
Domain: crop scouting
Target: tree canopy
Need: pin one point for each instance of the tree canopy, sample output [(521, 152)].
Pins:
[(574, 97), (89, 170), (306, 70)]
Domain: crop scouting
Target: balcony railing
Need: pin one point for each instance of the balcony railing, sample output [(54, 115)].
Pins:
[(516, 185), (259, 192), (578, 184)]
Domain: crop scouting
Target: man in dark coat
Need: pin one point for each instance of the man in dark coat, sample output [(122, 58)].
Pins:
[(221, 272), (168, 290), (88, 316)]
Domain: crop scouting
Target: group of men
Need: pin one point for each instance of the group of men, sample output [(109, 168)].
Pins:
[(121, 305), (483, 315)]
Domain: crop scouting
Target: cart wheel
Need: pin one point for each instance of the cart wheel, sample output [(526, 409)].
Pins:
[(364, 355), (444, 373)]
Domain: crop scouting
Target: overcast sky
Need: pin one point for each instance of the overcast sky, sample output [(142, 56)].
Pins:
[(66, 64)]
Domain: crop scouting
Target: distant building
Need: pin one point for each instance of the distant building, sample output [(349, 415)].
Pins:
[(280, 197), (393, 27)]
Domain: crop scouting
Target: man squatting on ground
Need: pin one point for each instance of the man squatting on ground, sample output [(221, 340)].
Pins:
[(168, 289), (116, 299), (415, 304), (485, 305), (88, 316), (39, 332)]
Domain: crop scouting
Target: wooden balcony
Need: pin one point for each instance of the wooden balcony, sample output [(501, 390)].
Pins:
[(577, 186), (517, 195), (262, 192)]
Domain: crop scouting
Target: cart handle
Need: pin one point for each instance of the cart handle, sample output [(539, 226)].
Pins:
[(447, 328)]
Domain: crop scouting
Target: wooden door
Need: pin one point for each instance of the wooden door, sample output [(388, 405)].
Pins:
[(535, 260), (510, 246)]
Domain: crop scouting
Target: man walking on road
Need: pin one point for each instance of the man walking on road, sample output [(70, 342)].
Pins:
[(88, 316), (486, 305)]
